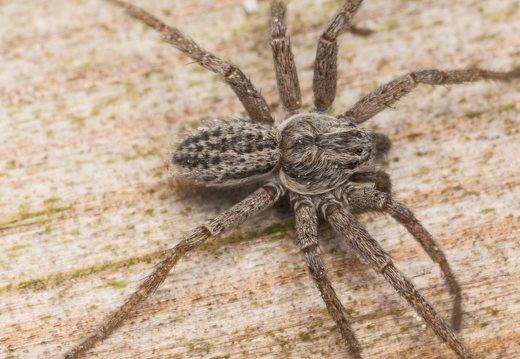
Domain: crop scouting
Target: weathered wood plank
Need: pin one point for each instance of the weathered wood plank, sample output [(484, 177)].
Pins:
[(91, 103)]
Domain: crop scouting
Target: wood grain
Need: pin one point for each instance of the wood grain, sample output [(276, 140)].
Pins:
[(91, 103)]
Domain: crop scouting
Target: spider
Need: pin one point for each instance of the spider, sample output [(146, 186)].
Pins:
[(327, 165)]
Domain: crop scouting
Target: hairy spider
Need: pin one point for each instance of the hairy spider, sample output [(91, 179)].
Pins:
[(327, 165)]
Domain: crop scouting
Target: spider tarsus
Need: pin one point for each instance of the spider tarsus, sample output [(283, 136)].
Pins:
[(360, 31), (285, 67), (456, 311), (326, 62), (501, 76)]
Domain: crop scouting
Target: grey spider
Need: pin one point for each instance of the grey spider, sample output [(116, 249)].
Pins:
[(327, 165)]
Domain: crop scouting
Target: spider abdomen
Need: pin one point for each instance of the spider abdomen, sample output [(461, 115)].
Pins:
[(228, 152)]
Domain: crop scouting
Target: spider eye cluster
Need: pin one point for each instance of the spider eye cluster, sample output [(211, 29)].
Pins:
[(320, 152), (227, 153)]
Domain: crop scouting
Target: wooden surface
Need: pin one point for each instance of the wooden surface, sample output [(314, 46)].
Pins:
[(91, 103)]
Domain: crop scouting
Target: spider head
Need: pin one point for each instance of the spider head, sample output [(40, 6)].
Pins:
[(320, 152), (228, 153)]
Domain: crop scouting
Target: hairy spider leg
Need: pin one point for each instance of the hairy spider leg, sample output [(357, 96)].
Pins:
[(251, 99), (285, 68), (307, 234), (343, 222), (258, 201), (326, 63), (391, 92)]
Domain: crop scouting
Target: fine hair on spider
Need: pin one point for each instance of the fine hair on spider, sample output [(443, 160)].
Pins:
[(327, 165)]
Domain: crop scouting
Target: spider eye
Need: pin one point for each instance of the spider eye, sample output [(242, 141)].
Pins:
[(320, 151), (227, 153)]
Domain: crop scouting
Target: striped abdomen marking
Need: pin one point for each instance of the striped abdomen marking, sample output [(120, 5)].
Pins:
[(228, 152)]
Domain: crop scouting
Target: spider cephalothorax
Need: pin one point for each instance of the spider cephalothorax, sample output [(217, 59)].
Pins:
[(320, 152), (319, 160)]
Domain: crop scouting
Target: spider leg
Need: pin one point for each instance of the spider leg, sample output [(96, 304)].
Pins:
[(253, 204), (381, 145), (285, 68), (370, 199), (381, 179), (369, 249), (307, 233), (391, 92), (360, 31), (326, 63), (250, 97)]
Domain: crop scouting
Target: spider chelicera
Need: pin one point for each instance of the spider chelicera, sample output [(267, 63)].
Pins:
[(327, 165)]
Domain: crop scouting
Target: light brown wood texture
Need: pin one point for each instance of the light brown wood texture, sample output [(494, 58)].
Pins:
[(91, 103)]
